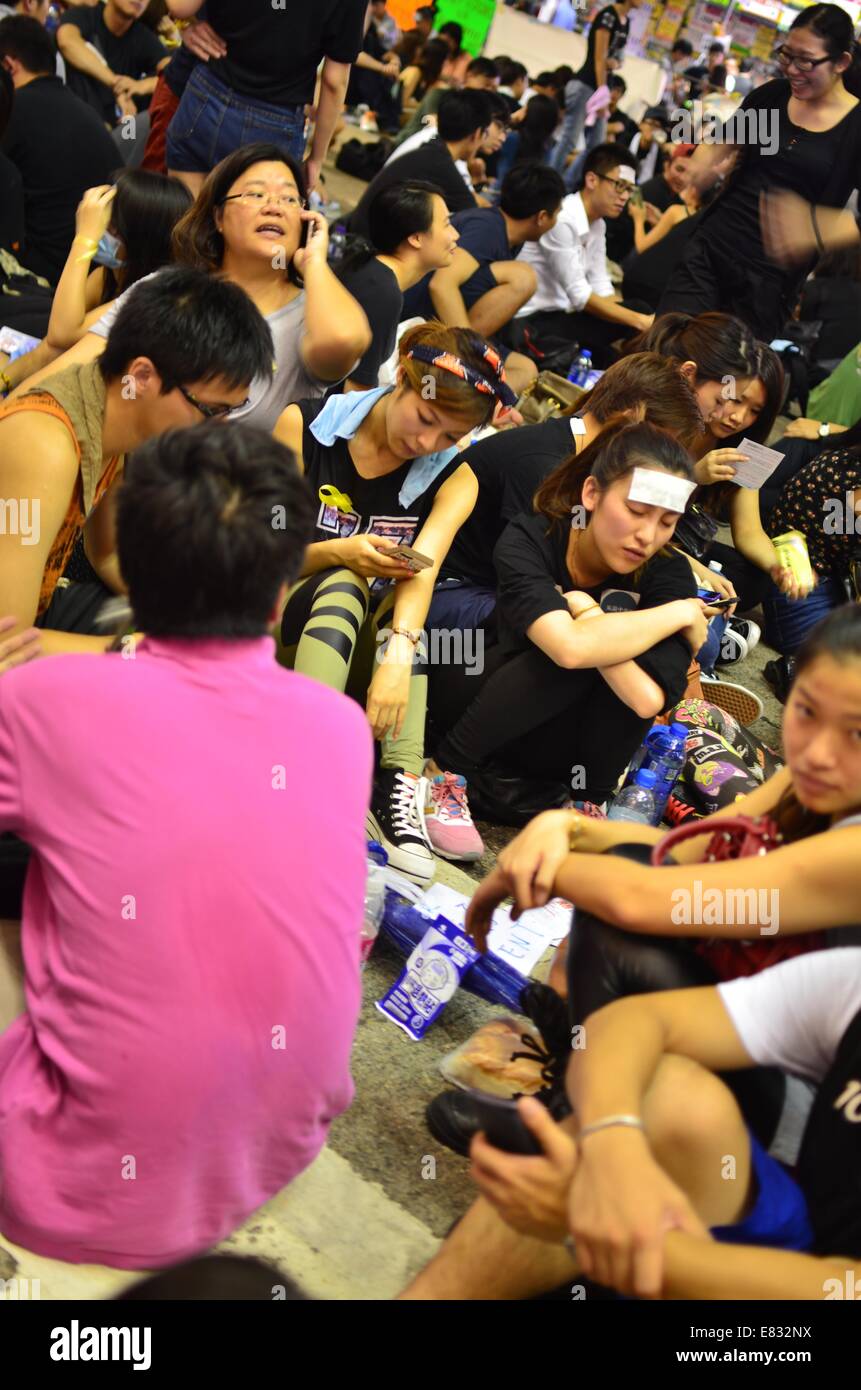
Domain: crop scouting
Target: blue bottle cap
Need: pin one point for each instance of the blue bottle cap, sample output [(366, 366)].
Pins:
[(646, 778), (377, 853)]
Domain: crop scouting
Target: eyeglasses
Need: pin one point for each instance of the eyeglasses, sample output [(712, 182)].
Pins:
[(620, 185), (256, 199), (788, 59), (211, 412)]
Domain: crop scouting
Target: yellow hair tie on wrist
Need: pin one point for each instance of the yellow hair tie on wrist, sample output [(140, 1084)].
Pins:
[(331, 497)]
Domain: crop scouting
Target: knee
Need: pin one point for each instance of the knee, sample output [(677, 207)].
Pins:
[(688, 1111), (523, 279)]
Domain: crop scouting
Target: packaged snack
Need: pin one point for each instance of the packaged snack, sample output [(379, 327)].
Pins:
[(429, 978), (793, 554), (504, 1058)]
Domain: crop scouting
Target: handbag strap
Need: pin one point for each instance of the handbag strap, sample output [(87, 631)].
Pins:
[(758, 836)]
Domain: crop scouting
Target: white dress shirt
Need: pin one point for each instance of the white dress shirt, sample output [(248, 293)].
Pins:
[(570, 261)]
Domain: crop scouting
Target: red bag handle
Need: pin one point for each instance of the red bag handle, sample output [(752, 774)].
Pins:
[(733, 837)]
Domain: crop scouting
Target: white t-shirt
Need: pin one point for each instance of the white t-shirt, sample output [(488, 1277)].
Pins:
[(794, 1015)]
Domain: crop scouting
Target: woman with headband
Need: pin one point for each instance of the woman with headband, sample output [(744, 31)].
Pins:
[(384, 468), (597, 625)]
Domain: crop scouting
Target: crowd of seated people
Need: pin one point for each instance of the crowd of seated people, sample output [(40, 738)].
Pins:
[(249, 470)]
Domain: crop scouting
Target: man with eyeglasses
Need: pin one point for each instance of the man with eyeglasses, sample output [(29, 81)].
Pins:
[(793, 149), (185, 348), (575, 298)]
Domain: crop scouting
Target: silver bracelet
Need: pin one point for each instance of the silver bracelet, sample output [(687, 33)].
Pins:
[(612, 1122)]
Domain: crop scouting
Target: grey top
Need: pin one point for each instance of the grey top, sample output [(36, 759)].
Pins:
[(291, 380)]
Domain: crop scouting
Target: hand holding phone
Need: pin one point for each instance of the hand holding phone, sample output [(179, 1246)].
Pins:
[(413, 557)]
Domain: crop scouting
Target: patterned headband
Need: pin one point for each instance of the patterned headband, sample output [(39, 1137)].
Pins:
[(489, 386)]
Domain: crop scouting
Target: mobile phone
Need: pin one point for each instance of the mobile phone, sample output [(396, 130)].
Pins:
[(715, 600), (637, 198), (415, 557), (503, 1126)]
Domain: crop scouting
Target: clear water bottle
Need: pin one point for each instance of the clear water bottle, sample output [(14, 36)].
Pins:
[(580, 368), (375, 898), (337, 245), (637, 802), (662, 752)]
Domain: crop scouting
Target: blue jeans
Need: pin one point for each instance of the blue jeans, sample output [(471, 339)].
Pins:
[(595, 135), (788, 621), (710, 649), (577, 95), (457, 604), (212, 121)]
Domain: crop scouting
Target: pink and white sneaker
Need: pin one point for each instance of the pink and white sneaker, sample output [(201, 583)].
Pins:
[(450, 828)]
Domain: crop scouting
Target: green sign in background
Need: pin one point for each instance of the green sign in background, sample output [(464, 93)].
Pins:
[(476, 16)]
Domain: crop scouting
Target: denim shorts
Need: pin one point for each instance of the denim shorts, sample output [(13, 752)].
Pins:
[(779, 1216), (212, 121), (788, 621)]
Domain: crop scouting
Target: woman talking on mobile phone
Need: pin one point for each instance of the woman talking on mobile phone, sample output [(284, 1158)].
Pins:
[(248, 224)]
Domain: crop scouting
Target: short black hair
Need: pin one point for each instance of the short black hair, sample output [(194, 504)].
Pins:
[(603, 158), (482, 67), (616, 83), (25, 39), (530, 188), (211, 521), (511, 71), (193, 327), (716, 47), (462, 113), (500, 110), (682, 46)]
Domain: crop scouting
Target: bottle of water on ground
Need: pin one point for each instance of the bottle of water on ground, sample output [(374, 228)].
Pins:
[(580, 368), (662, 752), (636, 802), (375, 898)]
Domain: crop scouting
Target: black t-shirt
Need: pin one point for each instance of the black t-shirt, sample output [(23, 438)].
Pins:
[(610, 22), (647, 272), (137, 53), (509, 467), (61, 148), (273, 52), (483, 234), (374, 286), (430, 162), (376, 507), (838, 304), (809, 163), (530, 564), (828, 1166), (11, 205)]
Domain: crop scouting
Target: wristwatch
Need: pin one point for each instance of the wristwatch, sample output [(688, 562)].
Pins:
[(824, 431)]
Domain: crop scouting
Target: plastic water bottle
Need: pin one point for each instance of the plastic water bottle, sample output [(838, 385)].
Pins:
[(637, 802), (580, 368), (663, 753), (375, 898)]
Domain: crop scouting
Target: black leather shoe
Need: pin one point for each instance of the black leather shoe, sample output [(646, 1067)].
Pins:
[(452, 1119)]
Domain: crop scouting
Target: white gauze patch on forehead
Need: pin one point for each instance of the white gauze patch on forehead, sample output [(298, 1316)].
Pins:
[(658, 489)]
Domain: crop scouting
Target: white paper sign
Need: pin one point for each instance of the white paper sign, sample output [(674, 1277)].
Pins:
[(658, 489), (761, 463), (522, 943)]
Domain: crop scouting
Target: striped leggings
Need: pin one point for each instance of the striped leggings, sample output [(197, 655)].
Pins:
[(330, 632)]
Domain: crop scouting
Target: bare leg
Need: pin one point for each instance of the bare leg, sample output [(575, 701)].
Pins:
[(694, 1127), (193, 182), (515, 284), (520, 371), (12, 1000)]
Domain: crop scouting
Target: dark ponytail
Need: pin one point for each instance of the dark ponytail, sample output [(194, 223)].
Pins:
[(617, 450), (721, 346), (398, 211), (833, 26)]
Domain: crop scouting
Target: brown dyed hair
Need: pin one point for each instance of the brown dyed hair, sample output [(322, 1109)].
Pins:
[(450, 392), (654, 385)]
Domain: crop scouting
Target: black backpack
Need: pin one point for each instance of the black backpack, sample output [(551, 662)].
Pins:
[(363, 158)]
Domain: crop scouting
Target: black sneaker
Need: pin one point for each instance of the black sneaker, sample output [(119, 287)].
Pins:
[(779, 676), (452, 1117), (396, 819)]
